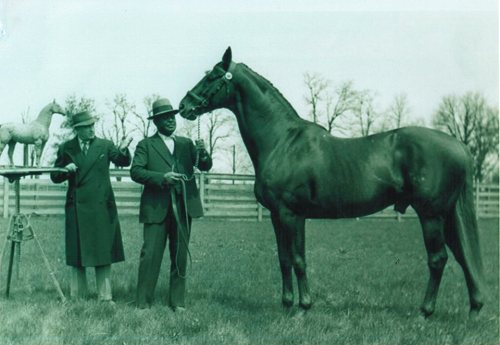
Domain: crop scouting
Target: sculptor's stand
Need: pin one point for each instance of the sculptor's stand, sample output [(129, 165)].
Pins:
[(20, 228)]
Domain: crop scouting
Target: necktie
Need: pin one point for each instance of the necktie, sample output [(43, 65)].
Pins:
[(85, 147)]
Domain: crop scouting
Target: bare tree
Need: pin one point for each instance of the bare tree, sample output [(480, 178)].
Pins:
[(454, 116), (469, 119), (218, 128), (316, 86), (399, 110), (117, 127), (342, 102), (190, 129), (141, 122), (364, 114)]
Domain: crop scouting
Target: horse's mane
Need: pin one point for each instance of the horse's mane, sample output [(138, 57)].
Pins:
[(265, 84)]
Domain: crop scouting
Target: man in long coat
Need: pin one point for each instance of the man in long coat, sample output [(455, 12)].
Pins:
[(93, 237), (160, 162)]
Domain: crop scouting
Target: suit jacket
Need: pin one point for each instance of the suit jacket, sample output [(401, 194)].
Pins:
[(152, 160), (93, 236)]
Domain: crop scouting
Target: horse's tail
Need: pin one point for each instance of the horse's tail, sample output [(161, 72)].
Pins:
[(462, 237)]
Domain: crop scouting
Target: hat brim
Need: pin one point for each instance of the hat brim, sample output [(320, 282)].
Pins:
[(163, 113), (85, 123)]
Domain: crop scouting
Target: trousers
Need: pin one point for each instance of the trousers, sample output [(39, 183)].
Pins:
[(155, 239), (79, 287)]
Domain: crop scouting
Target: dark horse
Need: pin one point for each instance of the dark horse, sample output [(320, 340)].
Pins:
[(301, 171)]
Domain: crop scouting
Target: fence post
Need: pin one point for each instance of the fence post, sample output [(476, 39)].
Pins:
[(477, 200), (5, 197), (202, 190), (36, 197), (259, 212)]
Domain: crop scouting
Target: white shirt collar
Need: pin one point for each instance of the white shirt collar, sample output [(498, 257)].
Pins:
[(80, 141), (169, 141), (166, 138)]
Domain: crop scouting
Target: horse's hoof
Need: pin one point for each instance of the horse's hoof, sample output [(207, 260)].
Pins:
[(305, 305), (426, 312), (287, 303), (299, 314), (474, 312)]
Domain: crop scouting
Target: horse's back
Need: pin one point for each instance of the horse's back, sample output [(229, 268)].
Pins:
[(427, 146), (22, 133), (320, 175)]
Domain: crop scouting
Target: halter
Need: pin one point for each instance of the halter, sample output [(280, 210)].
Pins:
[(214, 88)]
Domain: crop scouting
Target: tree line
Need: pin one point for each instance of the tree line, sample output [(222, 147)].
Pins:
[(341, 109), (344, 110)]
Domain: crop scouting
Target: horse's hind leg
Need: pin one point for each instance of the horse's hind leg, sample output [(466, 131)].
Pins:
[(10, 152), (2, 147), (433, 229), (284, 242), (466, 252), (39, 146)]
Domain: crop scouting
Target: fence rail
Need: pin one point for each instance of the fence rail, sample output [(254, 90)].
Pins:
[(223, 196)]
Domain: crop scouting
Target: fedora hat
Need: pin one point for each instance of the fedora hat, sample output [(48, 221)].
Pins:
[(82, 119), (162, 106)]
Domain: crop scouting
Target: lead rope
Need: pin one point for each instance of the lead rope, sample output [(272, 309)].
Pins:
[(185, 241), (177, 216), (197, 159)]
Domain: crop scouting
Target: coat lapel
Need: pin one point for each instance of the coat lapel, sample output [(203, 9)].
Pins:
[(94, 153), (161, 148), (74, 152)]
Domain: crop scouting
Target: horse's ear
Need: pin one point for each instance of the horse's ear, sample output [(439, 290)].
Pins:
[(226, 59)]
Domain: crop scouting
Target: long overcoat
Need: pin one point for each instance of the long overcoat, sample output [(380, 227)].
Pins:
[(93, 236), (152, 160)]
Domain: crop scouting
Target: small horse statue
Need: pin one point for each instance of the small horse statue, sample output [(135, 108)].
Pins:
[(301, 171), (36, 132)]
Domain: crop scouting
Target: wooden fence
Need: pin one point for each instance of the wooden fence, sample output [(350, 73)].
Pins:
[(223, 195)]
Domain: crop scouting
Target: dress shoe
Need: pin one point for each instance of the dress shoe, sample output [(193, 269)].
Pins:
[(109, 302)]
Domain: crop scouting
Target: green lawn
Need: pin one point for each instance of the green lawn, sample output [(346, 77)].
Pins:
[(367, 279)]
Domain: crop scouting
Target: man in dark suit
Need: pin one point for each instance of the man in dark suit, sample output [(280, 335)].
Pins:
[(160, 163), (93, 237)]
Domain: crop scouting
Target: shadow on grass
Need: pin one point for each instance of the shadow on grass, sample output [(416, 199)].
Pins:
[(237, 303)]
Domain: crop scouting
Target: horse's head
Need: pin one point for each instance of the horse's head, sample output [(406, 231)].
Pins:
[(212, 92), (55, 108)]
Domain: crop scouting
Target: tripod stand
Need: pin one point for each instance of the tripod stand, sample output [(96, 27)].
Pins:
[(21, 230)]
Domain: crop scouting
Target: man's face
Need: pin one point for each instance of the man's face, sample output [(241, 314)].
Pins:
[(165, 124), (85, 132)]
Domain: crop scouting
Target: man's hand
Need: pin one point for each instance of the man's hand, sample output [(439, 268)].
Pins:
[(200, 145), (172, 177), (71, 167), (125, 142)]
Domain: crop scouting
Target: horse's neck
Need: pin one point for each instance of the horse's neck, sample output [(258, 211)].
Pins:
[(45, 116), (264, 115)]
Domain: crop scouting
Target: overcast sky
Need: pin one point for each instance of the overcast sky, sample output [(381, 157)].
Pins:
[(426, 49)]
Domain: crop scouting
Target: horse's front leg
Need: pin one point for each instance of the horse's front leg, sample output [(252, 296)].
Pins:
[(293, 236), (299, 262), (284, 243)]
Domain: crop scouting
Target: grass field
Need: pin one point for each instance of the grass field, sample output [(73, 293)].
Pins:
[(367, 279)]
